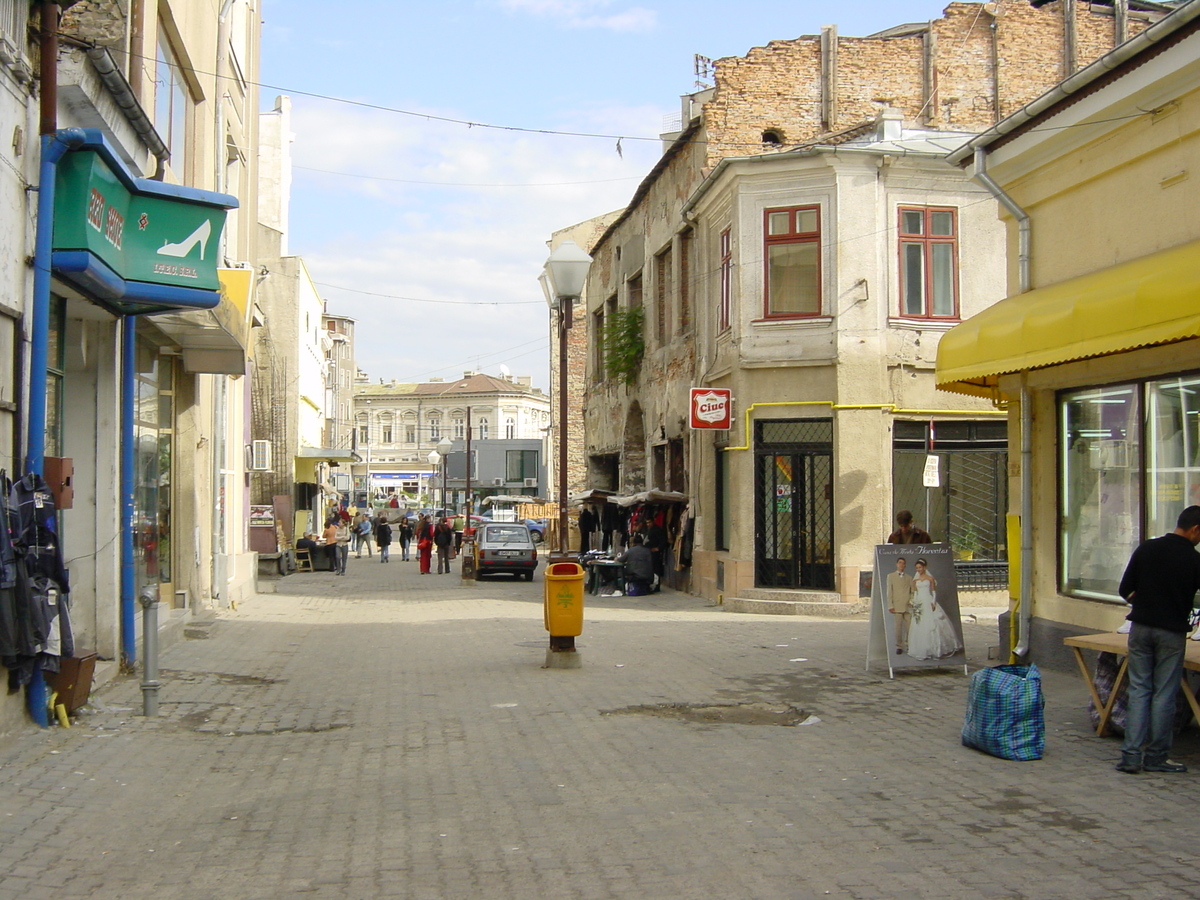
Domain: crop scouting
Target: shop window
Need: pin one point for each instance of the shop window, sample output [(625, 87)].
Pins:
[(598, 345), (662, 295), (928, 262), (726, 271), (171, 104), (55, 373), (792, 244), (721, 535), (1100, 487), (521, 464), (634, 287), (684, 292), (1172, 451)]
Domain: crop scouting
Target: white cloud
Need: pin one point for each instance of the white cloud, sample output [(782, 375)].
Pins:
[(449, 243), (586, 14)]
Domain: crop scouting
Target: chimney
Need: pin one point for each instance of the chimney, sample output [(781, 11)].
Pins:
[(889, 125)]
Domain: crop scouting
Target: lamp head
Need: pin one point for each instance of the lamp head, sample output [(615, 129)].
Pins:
[(445, 445), (567, 269), (544, 281), (434, 457)]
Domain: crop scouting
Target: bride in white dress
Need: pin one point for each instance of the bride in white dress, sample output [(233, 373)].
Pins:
[(931, 634)]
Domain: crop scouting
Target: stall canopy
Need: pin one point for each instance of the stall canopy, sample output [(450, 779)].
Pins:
[(650, 497), (1141, 303)]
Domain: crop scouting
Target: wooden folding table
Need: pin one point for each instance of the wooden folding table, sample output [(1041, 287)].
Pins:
[(1114, 642)]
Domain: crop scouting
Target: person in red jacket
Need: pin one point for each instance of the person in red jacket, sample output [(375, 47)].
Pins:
[(424, 544)]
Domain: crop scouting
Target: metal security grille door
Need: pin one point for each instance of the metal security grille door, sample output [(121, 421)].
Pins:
[(793, 504)]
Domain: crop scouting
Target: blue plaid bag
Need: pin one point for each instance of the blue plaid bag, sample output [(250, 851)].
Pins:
[(1005, 713)]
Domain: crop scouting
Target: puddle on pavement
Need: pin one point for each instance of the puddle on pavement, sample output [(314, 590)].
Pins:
[(718, 713)]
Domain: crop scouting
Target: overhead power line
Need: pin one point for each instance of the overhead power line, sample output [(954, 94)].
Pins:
[(340, 287), (468, 184)]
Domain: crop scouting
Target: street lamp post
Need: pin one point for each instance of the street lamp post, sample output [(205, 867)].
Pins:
[(444, 447), (563, 279), (434, 459)]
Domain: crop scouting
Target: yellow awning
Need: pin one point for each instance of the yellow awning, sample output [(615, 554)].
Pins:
[(1150, 300)]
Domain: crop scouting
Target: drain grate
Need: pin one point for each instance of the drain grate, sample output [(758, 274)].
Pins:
[(718, 713)]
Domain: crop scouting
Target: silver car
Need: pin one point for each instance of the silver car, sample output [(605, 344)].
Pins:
[(505, 547)]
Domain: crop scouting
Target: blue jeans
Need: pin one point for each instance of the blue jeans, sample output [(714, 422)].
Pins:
[(341, 552), (1155, 667)]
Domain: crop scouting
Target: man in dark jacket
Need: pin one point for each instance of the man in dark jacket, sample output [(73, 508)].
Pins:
[(639, 567), (443, 541), (1160, 583)]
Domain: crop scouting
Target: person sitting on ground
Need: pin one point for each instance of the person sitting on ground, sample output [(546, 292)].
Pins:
[(639, 567), (908, 533)]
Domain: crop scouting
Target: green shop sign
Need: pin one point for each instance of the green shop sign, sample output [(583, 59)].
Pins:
[(154, 239)]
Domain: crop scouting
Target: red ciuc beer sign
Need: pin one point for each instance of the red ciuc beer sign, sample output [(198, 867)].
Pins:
[(711, 408)]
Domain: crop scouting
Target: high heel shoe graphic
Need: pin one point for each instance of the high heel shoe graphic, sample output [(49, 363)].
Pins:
[(183, 248)]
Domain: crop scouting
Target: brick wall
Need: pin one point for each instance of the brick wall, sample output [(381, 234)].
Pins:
[(948, 76)]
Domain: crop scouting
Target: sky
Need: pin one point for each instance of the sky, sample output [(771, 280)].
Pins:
[(439, 144)]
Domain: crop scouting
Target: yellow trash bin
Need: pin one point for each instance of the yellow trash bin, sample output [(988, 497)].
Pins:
[(563, 599)]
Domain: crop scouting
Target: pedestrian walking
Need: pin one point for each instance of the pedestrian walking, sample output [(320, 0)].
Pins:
[(344, 535), (363, 531), (383, 537), (424, 537), (329, 542), (1160, 583), (406, 538), (443, 540)]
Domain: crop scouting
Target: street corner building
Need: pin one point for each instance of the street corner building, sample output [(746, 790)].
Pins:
[(1094, 349), (130, 180), (805, 246)]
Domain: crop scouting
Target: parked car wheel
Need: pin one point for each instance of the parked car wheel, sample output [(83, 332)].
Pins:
[(528, 576)]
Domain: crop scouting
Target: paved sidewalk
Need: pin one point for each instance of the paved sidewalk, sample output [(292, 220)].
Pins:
[(394, 735)]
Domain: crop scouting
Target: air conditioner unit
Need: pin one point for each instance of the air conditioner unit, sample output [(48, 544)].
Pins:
[(260, 456), (530, 482), (497, 482)]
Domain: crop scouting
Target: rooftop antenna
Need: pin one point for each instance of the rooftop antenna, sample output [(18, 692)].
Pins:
[(705, 71), (505, 372)]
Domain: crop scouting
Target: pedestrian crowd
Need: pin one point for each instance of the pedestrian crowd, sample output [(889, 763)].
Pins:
[(365, 533)]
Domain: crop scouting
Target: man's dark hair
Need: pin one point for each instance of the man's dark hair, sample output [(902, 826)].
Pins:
[(904, 517), (1189, 518), (638, 540)]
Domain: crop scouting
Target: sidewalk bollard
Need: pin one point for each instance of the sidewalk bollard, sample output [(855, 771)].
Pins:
[(562, 611), (468, 559), (150, 683)]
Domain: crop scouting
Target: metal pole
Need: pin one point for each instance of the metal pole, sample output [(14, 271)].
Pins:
[(564, 323), (128, 504), (150, 682)]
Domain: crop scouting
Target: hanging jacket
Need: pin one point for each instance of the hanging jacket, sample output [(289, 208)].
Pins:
[(35, 529)]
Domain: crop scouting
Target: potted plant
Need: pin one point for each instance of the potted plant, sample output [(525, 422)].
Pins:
[(968, 542)]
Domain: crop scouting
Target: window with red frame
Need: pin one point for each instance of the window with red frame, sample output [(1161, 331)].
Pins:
[(929, 262), (726, 250), (793, 265)]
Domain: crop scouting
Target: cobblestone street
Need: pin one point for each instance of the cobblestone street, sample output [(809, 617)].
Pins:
[(393, 735)]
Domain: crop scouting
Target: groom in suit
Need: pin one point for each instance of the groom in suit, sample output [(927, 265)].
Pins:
[(899, 592)]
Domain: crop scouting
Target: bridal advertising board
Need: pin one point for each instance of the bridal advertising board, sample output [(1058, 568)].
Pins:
[(915, 621)]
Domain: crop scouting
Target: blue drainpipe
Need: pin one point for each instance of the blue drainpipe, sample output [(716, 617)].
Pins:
[(128, 587), (54, 147)]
